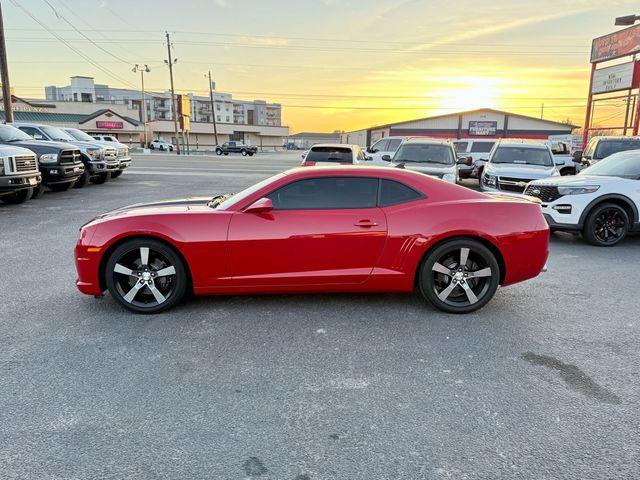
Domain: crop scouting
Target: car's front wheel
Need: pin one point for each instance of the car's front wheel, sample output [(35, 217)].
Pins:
[(83, 179), (116, 174), (61, 187), (606, 225), (243, 152), (459, 276), (17, 197), (101, 178), (146, 276)]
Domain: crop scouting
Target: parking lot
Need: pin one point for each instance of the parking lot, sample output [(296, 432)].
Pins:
[(541, 383)]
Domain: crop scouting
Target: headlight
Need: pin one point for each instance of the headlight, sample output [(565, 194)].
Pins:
[(578, 190), (449, 177), (48, 158), (94, 153), (489, 180)]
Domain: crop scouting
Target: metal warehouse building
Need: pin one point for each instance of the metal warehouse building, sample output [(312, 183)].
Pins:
[(481, 123)]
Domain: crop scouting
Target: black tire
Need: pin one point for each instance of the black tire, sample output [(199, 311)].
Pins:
[(151, 147), (116, 174), (82, 179), (171, 149), (218, 151), (38, 191), (161, 148), (607, 224), (15, 198), (243, 152), (226, 153), (251, 154), (446, 276), (100, 178), (125, 276), (61, 187)]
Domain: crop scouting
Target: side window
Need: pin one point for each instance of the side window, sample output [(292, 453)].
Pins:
[(326, 193), (393, 193), (380, 146), (461, 147), (34, 132), (393, 144)]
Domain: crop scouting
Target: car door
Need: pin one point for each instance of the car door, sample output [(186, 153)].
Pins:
[(322, 230), (377, 150)]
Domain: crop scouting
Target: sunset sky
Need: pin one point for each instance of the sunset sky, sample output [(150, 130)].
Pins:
[(332, 64)]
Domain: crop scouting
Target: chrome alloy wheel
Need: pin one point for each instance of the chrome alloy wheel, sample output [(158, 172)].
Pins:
[(144, 277), (461, 277)]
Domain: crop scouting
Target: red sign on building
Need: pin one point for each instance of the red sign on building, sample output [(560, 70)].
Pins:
[(616, 44), (109, 125)]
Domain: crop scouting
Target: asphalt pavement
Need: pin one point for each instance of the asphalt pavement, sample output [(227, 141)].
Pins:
[(543, 383)]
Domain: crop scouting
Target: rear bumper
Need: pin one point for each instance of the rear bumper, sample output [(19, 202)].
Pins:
[(13, 183)]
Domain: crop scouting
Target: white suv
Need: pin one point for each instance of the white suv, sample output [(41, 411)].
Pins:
[(384, 146), (161, 145), (602, 201)]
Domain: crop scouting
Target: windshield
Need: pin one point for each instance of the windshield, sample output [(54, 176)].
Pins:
[(79, 135), (522, 156), (57, 134), (10, 133), (609, 147), (622, 164), (229, 201), (330, 154), (424, 153)]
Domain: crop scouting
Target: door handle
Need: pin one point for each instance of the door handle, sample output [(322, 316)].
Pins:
[(366, 224)]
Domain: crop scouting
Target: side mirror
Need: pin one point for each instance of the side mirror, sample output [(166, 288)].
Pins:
[(262, 205), (465, 161), (304, 154), (38, 136), (386, 158), (577, 156), (367, 158)]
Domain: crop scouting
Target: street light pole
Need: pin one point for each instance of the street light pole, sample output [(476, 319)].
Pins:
[(144, 100), (213, 112), (4, 72), (170, 62)]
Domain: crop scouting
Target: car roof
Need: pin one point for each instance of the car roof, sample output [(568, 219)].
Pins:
[(334, 145), (428, 140), (521, 143), (492, 140)]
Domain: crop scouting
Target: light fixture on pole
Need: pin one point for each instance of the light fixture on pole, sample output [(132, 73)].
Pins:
[(627, 20), (137, 68)]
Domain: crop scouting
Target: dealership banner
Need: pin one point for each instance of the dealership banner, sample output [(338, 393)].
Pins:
[(109, 125), (615, 78), (483, 128), (616, 44)]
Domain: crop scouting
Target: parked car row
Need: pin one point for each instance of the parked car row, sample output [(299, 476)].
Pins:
[(35, 156)]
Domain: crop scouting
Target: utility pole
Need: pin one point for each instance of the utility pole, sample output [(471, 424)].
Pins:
[(4, 71), (542, 111), (173, 94), (144, 101), (213, 112)]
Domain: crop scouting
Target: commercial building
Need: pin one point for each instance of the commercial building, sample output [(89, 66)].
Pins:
[(481, 123), (305, 140), (255, 122)]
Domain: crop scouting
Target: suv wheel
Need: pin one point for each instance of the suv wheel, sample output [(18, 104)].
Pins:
[(146, 276), (606, 225), (459, 276), (218, 151), (151, 146), (243, 152), (82, 179), (17, 197), (100, 178), (61, 187)]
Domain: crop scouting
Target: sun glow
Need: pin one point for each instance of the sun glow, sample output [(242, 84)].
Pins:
[(469, 93)]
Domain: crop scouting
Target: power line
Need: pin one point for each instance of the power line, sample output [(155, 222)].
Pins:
[(63, 41)]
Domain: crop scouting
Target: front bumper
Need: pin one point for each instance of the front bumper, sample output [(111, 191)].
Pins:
[(55, 174), (13, 183), (87, 260), (125, 162)]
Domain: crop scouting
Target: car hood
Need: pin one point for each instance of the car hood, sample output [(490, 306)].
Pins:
[(577, 180), (12, 151), (180, 205), (84, 145), (168, 203), (519, 171), (44, 145)]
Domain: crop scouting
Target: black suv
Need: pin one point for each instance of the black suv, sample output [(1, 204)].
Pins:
[(235, 147), (60, 163)]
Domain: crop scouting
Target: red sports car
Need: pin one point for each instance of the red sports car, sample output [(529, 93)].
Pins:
[(318, 229)]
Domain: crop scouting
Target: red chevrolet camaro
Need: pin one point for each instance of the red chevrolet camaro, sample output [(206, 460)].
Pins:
[(319, 229)]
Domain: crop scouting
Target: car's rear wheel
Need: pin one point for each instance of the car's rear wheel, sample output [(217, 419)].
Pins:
[(459, 276), (61, 187), (606, 225), (17, 197), (146, 276)]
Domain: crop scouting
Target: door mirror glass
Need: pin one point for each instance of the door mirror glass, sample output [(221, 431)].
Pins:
[(260, 206), (38, 136), (577, 156), (386, 158), (465, 161)]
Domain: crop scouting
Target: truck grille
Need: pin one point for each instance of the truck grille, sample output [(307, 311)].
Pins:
[(543, 192), (69, 156), (509, 184), (110, 154), (122, 152), (25, 163)]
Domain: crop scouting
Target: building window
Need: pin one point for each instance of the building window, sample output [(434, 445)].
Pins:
[(219, 118), (227, 118)]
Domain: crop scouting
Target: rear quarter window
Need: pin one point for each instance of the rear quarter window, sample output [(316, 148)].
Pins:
[(394, 193)]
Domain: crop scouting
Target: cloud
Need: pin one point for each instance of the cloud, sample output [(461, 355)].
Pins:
[(221, 3), (273, 41)]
